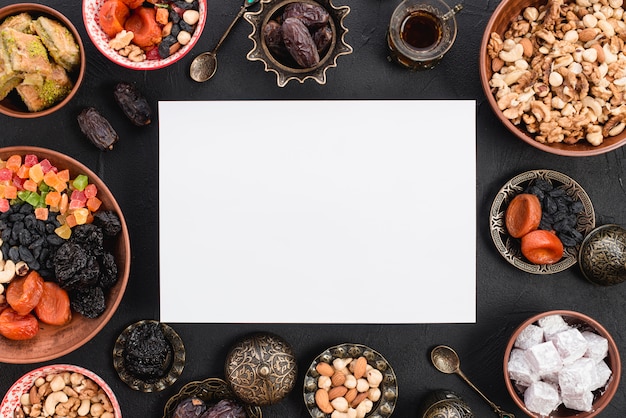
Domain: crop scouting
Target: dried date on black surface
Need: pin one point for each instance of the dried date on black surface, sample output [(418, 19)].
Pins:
[(192, 407), (226, 408), (133, 103), (148, 353), (312, 15), (299, 43), (97, 129)]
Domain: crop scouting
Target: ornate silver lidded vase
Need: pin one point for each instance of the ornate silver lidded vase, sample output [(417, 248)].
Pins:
[(444, 403)]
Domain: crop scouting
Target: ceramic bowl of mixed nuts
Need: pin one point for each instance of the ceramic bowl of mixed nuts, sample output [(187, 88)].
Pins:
[(38, 84), (144, 35), (60, 390), (352, 379), (554, 73), (298, 39), (65, 254)]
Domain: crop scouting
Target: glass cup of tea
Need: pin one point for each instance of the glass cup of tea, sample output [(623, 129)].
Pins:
[(421, 32)]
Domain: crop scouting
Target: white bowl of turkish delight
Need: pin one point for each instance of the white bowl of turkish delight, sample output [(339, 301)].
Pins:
[(561, 364)]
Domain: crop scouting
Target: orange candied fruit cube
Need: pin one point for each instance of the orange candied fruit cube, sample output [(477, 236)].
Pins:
[(53, 180), (41, 213), (14, 163), (53, 198), (64, 175), (22, 172), (93, 204), (30, 185), (70, 220)]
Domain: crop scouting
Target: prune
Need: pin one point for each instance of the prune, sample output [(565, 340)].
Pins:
[(132, 102), (190, 408), (108, 271), (299, 43), (85, 277), (89, 236), (69, 259), (97, 129), (225, 408), (108, 221), (312, 15), (147, 353), (88, 302)]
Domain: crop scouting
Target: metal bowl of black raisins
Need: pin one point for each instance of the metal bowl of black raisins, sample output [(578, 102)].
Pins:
[(566, 209), (62, 224), (298, 39), (149, 356), (210, 395)]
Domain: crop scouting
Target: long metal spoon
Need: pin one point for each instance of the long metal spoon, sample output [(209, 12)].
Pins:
[(446, 360), (203, 66)]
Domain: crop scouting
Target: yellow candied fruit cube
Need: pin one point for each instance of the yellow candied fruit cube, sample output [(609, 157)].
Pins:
[(36, 173), (63, 231), (81, 215)]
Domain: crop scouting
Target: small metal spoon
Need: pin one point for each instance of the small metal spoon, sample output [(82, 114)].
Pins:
[(446, 360), (203, 66)]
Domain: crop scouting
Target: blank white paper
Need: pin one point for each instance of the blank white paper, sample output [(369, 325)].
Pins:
[(317, 211)]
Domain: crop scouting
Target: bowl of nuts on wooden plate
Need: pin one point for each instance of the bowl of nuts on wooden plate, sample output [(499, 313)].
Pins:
[(35, 85), (350, 378), (561, 364), (298, 39), (65, 254), (144, 35), (554, 72), (60, 390)]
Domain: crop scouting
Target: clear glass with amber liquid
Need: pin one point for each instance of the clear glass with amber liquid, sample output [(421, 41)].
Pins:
[(421, 32)]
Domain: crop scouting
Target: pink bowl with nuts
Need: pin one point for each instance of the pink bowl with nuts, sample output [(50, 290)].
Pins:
[(73, 378), (101, 40), (561, 128)]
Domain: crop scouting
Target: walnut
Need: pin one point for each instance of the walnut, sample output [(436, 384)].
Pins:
[(133, 53), (494, 46), (121, 40)]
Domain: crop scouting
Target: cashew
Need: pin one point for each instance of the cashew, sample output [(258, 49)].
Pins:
[(52, 400), (107, 415), (513, 55), (8, 273), (57, 383), (84, 407), (96, 410)]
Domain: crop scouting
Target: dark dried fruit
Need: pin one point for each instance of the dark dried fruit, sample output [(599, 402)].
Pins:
[(190, 408), (133, 103), (312, 15), (88, 302), (148, 353), (108, 221), (69, 259), (323, 38), (299, 43), (97, 128), (88, 236), (108, 271), (226, 408)]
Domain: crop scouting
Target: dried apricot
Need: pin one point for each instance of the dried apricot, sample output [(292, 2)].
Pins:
[(523, 215), (542, 247), (18, 327), (133, 4), (112, 16), (143, 24), (23, 293), (54, 306)]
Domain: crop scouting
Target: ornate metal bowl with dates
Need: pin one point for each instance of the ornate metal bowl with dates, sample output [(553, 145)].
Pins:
[(284, 67)]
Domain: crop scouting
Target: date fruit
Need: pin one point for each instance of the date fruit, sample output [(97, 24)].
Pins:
[(133, 103), (97, 129), (312, 15), (299, 43)]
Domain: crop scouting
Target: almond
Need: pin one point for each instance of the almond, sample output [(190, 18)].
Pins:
[(528, 46), (360, 366), (359, 398), (338, 378), (350, 395), (325, 369), (337, 392), (600, 51), (322, 401), (587, 34)]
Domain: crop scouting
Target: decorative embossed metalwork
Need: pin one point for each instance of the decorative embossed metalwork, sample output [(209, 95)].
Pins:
[(176, 369), (444, 404), (388, 388), (284, 74), (602, 256), (509, 247), (261, 369), (211, 390)]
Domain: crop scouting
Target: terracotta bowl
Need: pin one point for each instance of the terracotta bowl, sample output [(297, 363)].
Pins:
[(55, 341), (582, 322), (506, 12), (12, 105), (12, 398), (101, 40)]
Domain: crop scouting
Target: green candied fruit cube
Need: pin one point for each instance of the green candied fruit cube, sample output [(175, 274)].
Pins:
[(80, 182), (23, 195), (33, 199)]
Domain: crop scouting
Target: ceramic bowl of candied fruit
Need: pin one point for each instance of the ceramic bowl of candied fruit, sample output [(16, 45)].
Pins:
[(65, 235), (556, 102), (298, 39), (144, 35), (353, 376), (67, 378), (44, 83), (561, 364), (198, 396), (565, 208)]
